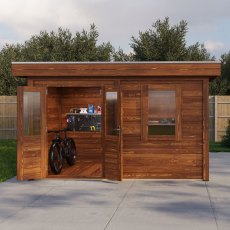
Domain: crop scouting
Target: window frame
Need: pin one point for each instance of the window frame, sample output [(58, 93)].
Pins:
[(145, 111)]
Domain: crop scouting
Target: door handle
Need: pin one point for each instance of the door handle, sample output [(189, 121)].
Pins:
[(117, 130)]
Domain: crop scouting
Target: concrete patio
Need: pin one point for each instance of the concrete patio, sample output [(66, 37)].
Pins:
[(131, 204)]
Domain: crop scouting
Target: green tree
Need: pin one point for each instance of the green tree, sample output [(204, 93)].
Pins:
[(226, 138), (8, 83), (51, 46), (225, 66), (63, 46), (197, 52), (218, 86), (164, 42), (120, 55), (221, 86)]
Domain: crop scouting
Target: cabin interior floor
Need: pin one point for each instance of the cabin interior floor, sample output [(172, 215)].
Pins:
[(81, 169)]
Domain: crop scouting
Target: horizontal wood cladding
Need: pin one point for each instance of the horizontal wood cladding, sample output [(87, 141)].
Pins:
[(209, 69), (154, 147), (53, 109), (71, 82), (178, 158), (112, 157), (164, 166), (82, 169), (31, 158), (88, 144), (181, 158), (163, 159), (192, 111), (131, 112)]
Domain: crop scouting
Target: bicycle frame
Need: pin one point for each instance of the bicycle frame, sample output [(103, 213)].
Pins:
[(66, 147)]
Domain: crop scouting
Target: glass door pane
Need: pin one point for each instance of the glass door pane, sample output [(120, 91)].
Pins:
[(111, 113), (31, 114)]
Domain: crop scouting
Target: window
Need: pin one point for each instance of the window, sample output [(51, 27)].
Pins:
[(111, 113), (31, 113), (161, 112)]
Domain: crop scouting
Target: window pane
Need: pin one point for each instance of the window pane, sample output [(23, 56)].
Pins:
[(162, 112), (111, 113), (31, 113)]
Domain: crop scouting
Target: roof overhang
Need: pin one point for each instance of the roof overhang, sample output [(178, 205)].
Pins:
[(210, 69)]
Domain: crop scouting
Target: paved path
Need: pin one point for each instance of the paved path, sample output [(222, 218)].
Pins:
[(128, 205)]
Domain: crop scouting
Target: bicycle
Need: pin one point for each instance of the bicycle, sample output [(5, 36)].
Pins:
[(60, 149)]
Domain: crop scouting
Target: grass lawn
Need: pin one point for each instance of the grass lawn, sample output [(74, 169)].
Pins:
[(217, 147), (8, 158)]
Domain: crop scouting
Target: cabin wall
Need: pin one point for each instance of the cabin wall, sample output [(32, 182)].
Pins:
[(60, 100), (181, 158), (53, 109), (142, 157), (89, 144)]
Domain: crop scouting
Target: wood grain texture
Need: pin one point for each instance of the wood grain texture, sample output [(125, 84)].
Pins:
[(32, 149), (82, 169), (112, 143), (180, 158), (205, 131), (210, 69), (135, 154), (88, 144)]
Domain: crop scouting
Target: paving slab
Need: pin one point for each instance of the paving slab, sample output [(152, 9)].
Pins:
[(131, 204), (162, 217)]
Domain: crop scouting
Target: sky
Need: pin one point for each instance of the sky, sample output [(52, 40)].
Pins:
[(117, 20)]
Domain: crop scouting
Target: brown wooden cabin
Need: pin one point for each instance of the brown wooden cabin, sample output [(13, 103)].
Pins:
[(154, 120)]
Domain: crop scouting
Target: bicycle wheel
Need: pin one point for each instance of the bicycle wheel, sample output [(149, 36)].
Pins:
[(55, 158), (71, 152)]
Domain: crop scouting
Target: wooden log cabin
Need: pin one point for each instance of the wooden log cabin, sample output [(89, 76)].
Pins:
[(154, 118)]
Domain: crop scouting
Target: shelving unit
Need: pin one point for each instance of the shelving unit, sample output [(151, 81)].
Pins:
[(84, 122)]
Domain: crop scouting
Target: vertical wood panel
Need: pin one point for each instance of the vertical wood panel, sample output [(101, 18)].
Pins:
[(219, 114), (19, 137), (205, 131), (8, 117), (113, 143), (32, 149)]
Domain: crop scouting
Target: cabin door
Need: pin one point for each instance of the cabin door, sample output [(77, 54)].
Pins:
[(31, 135), (112, 134)]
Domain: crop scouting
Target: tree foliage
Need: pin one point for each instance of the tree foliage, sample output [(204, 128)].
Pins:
[(221, 86), (218, 86), (164, 42), (225, 67), (63, 46), (226, 138), (120, 55), (8, 83), (51, 46)]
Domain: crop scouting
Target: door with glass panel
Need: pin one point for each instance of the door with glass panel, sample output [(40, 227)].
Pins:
[(31, 136), (112, 134)]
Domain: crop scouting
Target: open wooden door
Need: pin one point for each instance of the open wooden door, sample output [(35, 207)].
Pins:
[(32, 145), (112, 134)]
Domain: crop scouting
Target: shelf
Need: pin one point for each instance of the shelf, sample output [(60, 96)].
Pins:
[(84, 114), (84, 122), (162, 124)]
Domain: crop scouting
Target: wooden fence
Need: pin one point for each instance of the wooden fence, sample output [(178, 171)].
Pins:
[(219, 113), (8, 117)]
